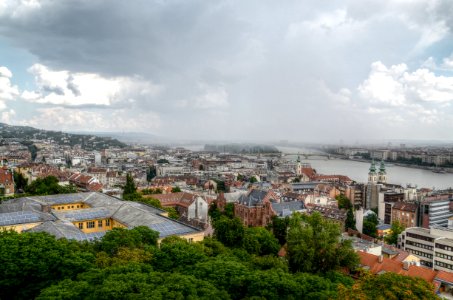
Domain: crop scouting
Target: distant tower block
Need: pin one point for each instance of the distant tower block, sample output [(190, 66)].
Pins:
[(382, 175)]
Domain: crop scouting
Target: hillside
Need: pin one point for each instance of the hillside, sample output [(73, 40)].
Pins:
[(26, 134)]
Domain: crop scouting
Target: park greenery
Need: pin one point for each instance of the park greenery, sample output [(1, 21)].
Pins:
[(370, 223), (236, 263)]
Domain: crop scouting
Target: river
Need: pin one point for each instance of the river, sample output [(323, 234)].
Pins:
[(358, 171)]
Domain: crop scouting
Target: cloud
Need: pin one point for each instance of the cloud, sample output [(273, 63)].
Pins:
[(8, 91), (86, 120), (396, 86), (258, 69), (76, 89)]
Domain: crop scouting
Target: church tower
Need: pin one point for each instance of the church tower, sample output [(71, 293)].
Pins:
[(298, 167), (382, 175), (372, 175)]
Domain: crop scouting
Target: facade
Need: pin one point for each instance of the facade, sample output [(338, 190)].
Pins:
[(435, 211), (433, 246), (405, 213), (189, 206), (87, 216), (6, 182)]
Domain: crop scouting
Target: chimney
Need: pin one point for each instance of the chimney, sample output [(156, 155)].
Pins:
[(46, 208), (380, 258), (406, 265)]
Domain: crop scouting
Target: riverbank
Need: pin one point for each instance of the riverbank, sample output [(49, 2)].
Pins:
[(399, 164)]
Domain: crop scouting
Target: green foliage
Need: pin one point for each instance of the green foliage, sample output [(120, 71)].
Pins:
[(260, 241), (253, 179), (20, 181), (279, 228), (396, 229), (150, 201), (163, 161), (389, 286), (32, 261), (229, 231), (176, 189), (151, 173), (129, 189), (172, 212), (313, 245), (138, 237), (176, 253), (370, 223), (229, 210), (343, 202), (350, 220), (48, 186), (151, 191)]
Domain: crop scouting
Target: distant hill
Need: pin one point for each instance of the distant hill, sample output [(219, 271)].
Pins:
[(127, 137), (241, 148), (24, 135)]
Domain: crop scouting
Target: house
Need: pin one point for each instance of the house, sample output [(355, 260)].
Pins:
[(6, 182), (329, 212), (189, 206), (87, 216), (405, 213)]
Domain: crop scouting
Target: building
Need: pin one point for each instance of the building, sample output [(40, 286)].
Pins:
[(330, 212), (435, 210), (433, 246), (406, 213), (254, 208), (189, 206), (372, 189), (6, 182), (87, 216)]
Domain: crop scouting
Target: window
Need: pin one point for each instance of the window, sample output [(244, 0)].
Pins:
[(107, 222), (80, 225), (90, 224), (100, 223)]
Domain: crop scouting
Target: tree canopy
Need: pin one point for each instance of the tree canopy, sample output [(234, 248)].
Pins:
[(48, 186)]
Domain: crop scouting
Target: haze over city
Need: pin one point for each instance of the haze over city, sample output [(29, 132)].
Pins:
[(303, 71)]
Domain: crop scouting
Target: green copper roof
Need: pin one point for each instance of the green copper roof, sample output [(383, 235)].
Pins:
[(382, 167), (373, 167)]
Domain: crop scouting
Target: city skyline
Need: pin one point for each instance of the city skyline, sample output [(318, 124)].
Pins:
[(369, 70)]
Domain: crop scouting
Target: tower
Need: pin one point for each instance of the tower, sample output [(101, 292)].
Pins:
[(382, 175), (372, 175), (298, 167)]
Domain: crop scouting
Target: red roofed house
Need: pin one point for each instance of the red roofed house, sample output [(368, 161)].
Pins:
[(189, 206), (6, 182)]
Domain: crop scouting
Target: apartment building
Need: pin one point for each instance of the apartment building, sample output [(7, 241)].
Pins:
[(433, 246)]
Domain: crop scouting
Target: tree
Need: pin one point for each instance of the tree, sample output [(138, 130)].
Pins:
[(350, 220), (117, 238), (176, 189), (253, 179), (370, 223), (162, 161), (151, 173), (20, 181), (343, 202), (229, 231), (396, 229), (279, 227), (172, 212), (314, 245), (32, 261), (259, 241), (48, 186), (388, 286), (129, 189)]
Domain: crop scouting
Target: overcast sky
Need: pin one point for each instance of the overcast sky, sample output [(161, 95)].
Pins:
[(270, 70)]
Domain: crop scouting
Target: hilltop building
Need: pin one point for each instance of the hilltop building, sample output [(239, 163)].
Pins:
[(87, 216)]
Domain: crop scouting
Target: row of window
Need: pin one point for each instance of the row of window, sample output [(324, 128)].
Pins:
[(444, 265), (69, 207), (420, 253), (444, 247), (420, 237), (419, 245), (92, 224), (445, 256)]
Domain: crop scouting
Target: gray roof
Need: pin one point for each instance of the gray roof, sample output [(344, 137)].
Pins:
[(64, 229), (287, 208), (253, 198), (83, 214), (23, 217), (101, 206)]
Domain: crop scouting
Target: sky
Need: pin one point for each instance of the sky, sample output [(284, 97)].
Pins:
[(292, 70)]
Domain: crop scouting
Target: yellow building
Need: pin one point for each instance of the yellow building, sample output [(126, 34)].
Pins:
[(87, 216)]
